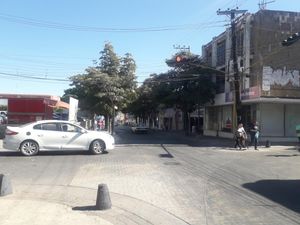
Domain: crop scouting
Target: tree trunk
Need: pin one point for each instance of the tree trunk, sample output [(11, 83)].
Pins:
[(106, 122), (186, 122)]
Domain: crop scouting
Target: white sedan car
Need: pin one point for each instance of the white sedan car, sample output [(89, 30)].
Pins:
[(48, 135)]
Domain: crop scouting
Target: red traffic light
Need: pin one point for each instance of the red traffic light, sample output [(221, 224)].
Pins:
[(178, 59)]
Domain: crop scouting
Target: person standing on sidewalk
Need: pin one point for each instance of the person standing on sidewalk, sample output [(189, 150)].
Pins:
[(240, 137), (254, 135)]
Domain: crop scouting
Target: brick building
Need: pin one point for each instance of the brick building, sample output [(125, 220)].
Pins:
[(270, 79)]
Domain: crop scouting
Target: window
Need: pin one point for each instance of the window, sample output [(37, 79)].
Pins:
[(69, 128), (240, 43), (212, 118), (221, 53), (37, 127), (220, 82), (50, 126)]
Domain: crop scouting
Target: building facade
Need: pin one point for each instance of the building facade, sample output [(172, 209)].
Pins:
[(269, 76)]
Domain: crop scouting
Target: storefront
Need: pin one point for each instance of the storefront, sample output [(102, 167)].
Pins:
[(277, 118)]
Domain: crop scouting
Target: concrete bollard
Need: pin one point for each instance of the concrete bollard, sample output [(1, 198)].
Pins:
[(5, 185), (103, 198), (268, 144)]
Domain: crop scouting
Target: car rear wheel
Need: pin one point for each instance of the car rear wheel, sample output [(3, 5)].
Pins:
[(29, 148), (97, 147)]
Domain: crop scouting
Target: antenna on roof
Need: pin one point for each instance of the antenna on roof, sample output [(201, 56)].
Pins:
[(263, 4)]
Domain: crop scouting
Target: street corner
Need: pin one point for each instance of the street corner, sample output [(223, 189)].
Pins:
[(75, 205)]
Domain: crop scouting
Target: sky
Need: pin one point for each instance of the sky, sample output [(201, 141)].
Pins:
[(53, 40)]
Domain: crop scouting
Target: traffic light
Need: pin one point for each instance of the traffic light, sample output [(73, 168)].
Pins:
[(181, 59), (291, 40), (178, 59)]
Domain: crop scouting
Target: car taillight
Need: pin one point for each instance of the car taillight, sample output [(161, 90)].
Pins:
[(10, 132)]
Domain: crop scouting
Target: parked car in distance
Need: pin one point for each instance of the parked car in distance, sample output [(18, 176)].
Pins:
[(140, 128), (47, 135)]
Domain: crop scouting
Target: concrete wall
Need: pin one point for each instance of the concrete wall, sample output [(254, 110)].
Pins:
[(274, 67)]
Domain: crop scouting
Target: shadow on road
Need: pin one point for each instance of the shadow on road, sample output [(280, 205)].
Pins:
[(288, 155), (283, 192), (167, 154), (48, 153), (84, 208), (10, 154)]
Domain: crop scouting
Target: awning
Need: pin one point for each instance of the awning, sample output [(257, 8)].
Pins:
[(273, 100), (61, 104), (58, 104)]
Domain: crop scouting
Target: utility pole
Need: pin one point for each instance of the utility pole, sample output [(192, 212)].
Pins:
[(263, 4), (237, 104)]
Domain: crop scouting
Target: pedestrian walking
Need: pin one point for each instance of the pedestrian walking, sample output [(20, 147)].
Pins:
[(254, 135), (240, 137)]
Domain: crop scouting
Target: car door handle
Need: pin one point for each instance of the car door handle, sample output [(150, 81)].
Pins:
[(40, 135), (64, 136)]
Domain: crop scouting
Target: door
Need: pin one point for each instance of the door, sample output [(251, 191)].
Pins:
[(74, 138), (48, 135)]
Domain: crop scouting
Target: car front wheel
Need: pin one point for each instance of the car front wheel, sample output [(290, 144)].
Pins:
[(97, 147), (29, 148)]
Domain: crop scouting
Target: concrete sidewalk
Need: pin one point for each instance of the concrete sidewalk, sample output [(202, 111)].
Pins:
[(72, 205), (226, 143)]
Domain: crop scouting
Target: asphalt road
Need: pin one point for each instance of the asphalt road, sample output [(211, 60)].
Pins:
[(155, 178)]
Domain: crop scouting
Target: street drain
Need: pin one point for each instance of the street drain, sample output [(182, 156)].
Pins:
[(172, 163)]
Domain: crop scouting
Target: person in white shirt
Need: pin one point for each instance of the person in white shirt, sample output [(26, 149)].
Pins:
[(240, 136)]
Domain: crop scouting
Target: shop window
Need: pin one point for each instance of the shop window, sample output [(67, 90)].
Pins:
[(227, 118), (212, 118)]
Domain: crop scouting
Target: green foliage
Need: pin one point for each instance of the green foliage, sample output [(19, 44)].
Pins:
[(110, 83), (3, 107), (109, 62), (186, 86), (127, 72)]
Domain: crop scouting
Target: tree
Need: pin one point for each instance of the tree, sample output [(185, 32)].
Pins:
[(105, 86), (145, 106), (109, 62), (186, 86), (195, 87), (128, 80)]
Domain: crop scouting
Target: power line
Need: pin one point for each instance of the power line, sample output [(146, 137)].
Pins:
[(33, 77), (31, 80), (71, 27)]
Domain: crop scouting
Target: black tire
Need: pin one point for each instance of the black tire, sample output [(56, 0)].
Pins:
[(97, 147), (29, 148)]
